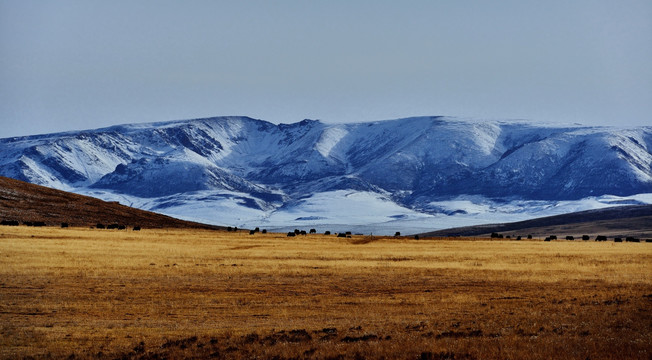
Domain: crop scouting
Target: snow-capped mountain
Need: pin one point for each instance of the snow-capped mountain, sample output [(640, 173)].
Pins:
[(242, 171)]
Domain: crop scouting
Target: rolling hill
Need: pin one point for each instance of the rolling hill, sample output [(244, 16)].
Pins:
[(635, 220), (24, 202)]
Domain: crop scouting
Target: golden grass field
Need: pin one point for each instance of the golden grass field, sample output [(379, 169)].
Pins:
[(207, 294)]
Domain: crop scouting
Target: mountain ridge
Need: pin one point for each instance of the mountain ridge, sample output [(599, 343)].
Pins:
[(415, 161)]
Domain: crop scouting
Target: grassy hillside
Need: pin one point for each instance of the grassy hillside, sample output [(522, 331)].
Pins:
[(25, 202), (621, 221)]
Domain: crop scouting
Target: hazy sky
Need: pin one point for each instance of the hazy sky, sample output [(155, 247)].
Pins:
[(82, 64)]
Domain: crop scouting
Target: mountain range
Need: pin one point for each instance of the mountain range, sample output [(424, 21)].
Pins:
[(428, 172)]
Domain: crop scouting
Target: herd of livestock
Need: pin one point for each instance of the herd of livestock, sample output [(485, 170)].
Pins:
[(346, 234)]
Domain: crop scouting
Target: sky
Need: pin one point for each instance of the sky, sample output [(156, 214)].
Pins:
[(83, 64)]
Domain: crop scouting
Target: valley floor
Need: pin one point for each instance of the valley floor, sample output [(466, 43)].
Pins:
[(184, 293)]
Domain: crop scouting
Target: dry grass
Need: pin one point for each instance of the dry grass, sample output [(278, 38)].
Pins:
[(194, 293)]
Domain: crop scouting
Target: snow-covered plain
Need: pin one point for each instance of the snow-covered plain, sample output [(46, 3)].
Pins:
[(360, 212)]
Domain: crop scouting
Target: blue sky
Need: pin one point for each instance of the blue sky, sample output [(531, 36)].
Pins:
[(83, 64)]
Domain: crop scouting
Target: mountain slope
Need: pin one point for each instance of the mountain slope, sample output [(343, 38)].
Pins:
[(415, 162), (24, 202)]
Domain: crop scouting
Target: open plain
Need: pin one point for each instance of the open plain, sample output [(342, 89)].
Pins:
[(90, 293)]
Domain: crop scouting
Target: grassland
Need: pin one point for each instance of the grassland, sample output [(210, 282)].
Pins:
[(199, 293)]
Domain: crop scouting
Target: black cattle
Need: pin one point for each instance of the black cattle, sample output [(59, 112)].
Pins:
[(586, 237), (327, 232), (229, 229), (290, 233), (648, 240), (257, 229), (518, 237), (122, 227), (569, 237), (342, 235), (416, 237), (9, 223), (303, 232), (632, 239), (28, 223), (618, 239), (508, 237), (348, 233), (251, 232), (529, 236), (39, 223), (297, 231), (547, 239), (600, 238), (495, 235), (398, 233), (264, 231), (64, 225), (313, 231), (100, 226), (136, 228)]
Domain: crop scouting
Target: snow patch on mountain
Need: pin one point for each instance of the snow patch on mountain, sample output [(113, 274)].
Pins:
[(329, 138)]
